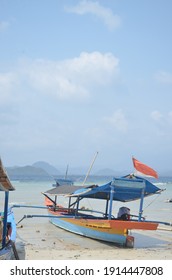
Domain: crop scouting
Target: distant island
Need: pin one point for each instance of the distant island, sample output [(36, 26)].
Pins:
[(27, 173), (50, 169), (43, 171), (38, 171)]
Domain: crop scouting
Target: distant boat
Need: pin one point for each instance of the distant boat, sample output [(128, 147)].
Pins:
[(7, 222), (63, 181)]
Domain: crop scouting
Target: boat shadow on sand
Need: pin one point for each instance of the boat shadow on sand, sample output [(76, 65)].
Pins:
[(151, 242), (157, 241)]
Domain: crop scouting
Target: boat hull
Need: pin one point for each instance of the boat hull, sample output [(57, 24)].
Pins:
[(85, 229), (61, 182), (114, 231)]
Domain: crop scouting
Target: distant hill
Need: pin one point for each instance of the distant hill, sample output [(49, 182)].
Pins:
[(27, 173), (47, 167), (43, 171)]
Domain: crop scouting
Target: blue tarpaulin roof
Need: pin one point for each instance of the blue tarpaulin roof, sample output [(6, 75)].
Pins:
[(124, 189)]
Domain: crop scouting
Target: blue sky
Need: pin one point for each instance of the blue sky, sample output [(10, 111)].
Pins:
[(80, 76)]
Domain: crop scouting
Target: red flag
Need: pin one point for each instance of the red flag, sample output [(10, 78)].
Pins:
[(144, 169)]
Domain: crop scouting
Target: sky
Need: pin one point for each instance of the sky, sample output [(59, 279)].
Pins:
[(82, 76)]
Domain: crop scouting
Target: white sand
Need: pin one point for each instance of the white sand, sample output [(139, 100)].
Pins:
[(44, 241)]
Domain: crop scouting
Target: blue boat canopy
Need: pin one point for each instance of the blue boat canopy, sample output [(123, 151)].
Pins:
[(124, 189)]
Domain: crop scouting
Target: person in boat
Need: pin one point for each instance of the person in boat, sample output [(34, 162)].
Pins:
[(123, 214)]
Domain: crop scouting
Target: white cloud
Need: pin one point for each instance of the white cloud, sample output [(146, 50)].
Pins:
[(156, 116), (4, 25), (164, 77), (8, 84), (117, 120), (75, 79), (163, 122), (170, 114), (72, 78), (105, 14)]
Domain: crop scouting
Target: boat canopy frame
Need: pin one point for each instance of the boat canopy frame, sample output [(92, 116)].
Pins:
[(122, 189)]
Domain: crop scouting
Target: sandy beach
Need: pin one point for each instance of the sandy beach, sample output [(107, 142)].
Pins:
[(44, 241), (38, 239)]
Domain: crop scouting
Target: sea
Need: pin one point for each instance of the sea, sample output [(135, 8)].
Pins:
[(30, 193)]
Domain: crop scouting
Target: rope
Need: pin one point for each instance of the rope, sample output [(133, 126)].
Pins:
[(150, 203)]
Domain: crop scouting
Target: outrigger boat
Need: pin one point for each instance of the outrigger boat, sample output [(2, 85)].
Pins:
[(102, 226), (7, 222), (98, 225)]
